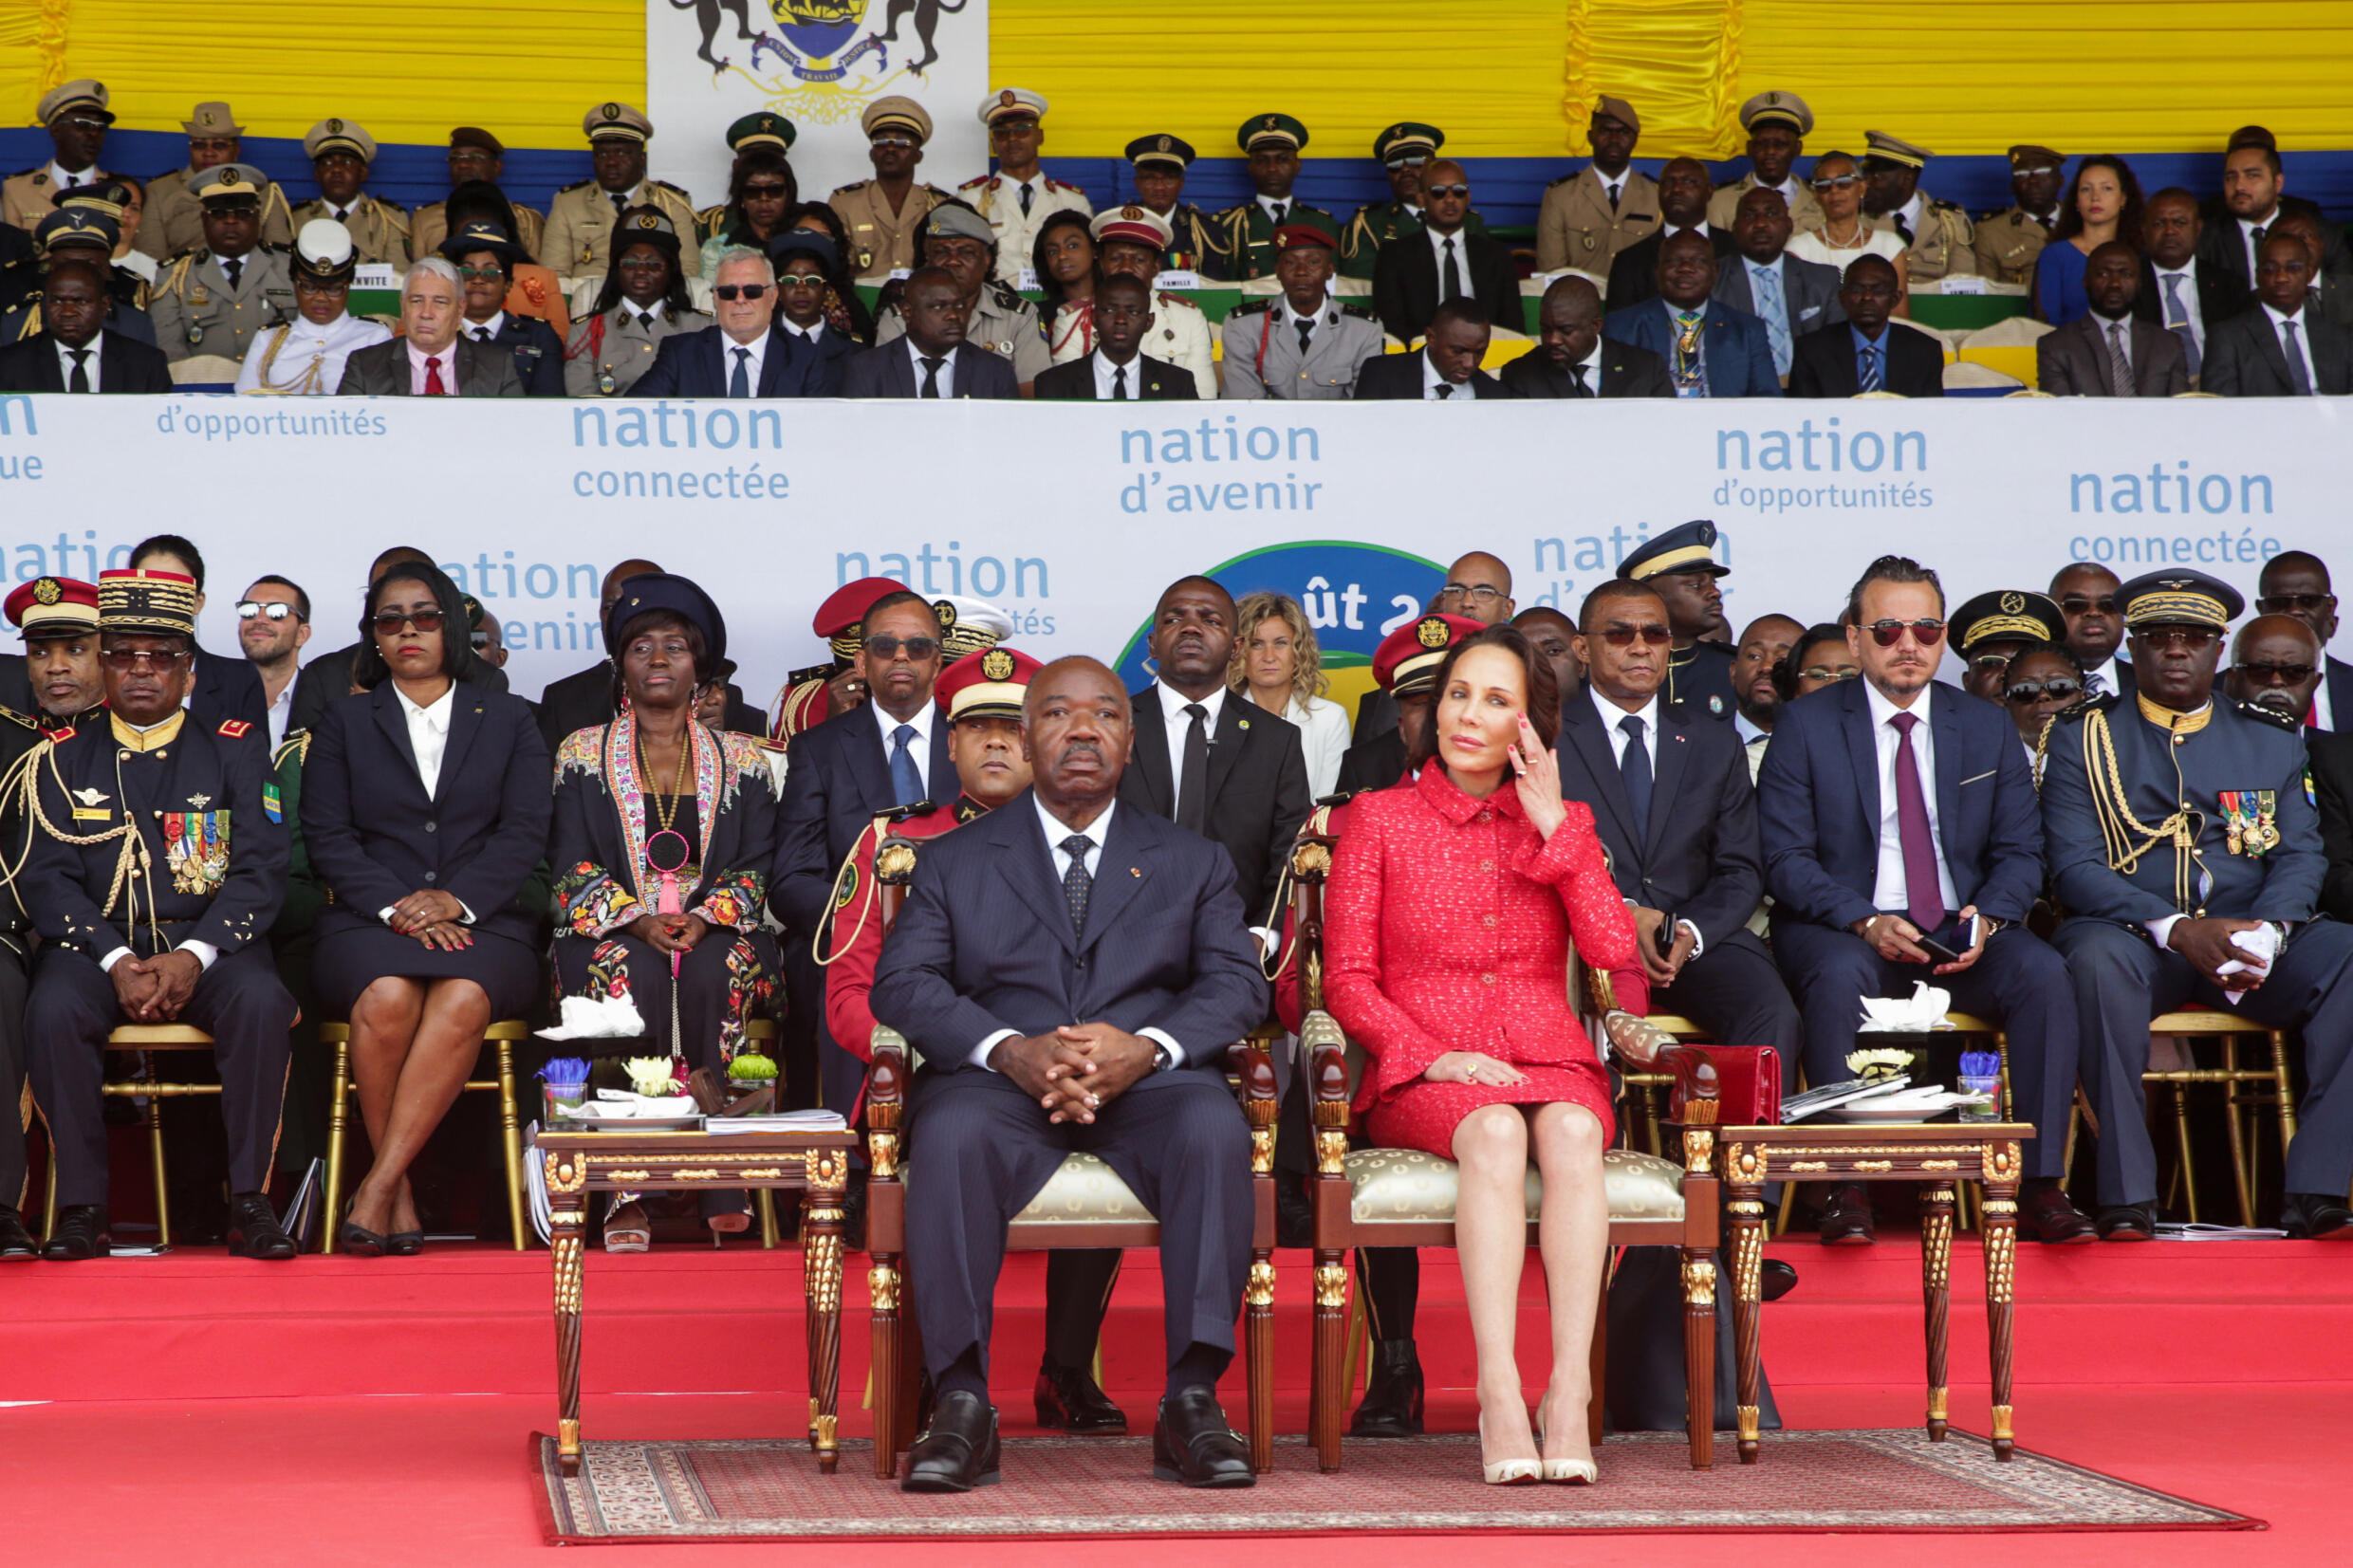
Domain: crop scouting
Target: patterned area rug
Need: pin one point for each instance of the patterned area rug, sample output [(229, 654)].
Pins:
[(764, 1490)]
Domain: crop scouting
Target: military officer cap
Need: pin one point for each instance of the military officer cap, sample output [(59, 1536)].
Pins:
[(969, 625), (212, 118), (1777, 108), (1165, 150), (481, 234), (1407, 661), (474, 136), (1011, 104), (804, 241), (1888, 149), (616, 119), (2179, 597), (1275, 130), (84, 95), (1619, 109), (645, 225), (227, 185), (989, 684), (340, 136), (323, 253), (763, 129), (1306, 230), (954, 220), (70, 227), (2007, 614), (53, 607), (1687, 547), (838, 617), (106, 198), (896, 114), (1132, 225), (137, 599), (2027, 155), (1406, 142), (682, 597)]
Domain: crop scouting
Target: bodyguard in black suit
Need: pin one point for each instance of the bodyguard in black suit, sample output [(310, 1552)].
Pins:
[(1442, 260), (701, 364), (1072, 970), (1826, 363), (2331, 765), (933, 359), (1117, 370), (122, 365), (1683, 193), (2296, 582), (1571, 358), (2247, 356), (1671, 801)]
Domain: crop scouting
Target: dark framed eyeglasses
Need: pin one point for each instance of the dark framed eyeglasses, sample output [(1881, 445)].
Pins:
[(883, 646), (2276, 675), (2059, 689), (1927, 631), (1446, 190), (2083, 604), (248, 609), (1653, 635), (768, 188), (2294, 604), (390, 621), (2193, 638), (1475, 593), (734, 291)]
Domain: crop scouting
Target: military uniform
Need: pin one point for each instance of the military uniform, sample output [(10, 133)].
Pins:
[(1246, 230), (1939, 237), (1179, 334), (1263, 357), (1577, 228), (430, 225), (999, 199), (87, 234), (1700, 676), (197, 311), (1378, 223), (19, 734), (173, 220), (577, 241), (379, 229), (606, 354), (1003, 323), (881, 241), (2004, 245), (29, 196)]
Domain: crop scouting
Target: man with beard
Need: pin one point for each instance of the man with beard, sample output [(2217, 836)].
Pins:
[(1763, 646)]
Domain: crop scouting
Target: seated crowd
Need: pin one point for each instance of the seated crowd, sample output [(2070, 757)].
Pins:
[(1753, 833), (1776, 283)]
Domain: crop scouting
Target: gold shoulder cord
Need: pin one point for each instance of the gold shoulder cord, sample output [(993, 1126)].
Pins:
[(1319, 822), (2128, 837), (132, 869), (865, 903)]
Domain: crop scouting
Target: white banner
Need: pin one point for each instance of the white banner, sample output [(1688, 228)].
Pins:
[(819, 63), (1074, 517)]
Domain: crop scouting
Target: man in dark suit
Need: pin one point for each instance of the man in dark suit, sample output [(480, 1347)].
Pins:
[(2296, 582), (1672, 803), (1072, 973), (2329, 761), (2085, 594), (486, 260), (932, 360), (327, 677), (1571, 358), (2254, 195), (221, 688), (2275, 663), (1895, 809), (1683, 193), (1445, 368), (1117, 370), (1443, 260), (742, 354), (74, 351), (585, 696), (2181, 289), (1790, 296), (2279, 350), (430, 358), (1711, 349), (2110, 352), (1868, 352)]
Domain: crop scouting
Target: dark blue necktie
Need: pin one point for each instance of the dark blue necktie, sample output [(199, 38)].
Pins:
[(1075, 882), (739, 383), (1870, 377), (1634, 768), (906, 778)]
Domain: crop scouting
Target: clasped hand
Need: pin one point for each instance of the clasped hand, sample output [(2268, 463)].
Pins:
[(1077, 1070), (152, 990), (669, 933)]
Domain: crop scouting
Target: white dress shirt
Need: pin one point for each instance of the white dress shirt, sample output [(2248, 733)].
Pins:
[(1460, 239), (1612, 717), (1179, 723), (1323, 738), (2323, 717), (2280, 324), (1269, 205), (1910, 213), (2110, 682), (1104, 370), (66, 179), (2192, 313), (308, 359), (281, 712), (90, 353), (947, 370), (728, 361), (2247, 228), (806, 333), (919, 745), (447, 358), (429, 732), (1461, 391), (482, 332), (1746, 730), (1891, 891)]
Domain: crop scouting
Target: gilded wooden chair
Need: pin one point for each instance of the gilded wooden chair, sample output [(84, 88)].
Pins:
[(147, 1082), (499, 1038)]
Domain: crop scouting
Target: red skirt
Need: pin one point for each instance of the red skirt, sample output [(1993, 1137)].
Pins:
[(1424, 1115)]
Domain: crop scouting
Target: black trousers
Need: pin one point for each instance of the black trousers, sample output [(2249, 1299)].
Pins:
[(979, 1150), (2123, 980), (1733, 992), (2019, 981), (239, 1002), (1388, 1277), (16, 1105)]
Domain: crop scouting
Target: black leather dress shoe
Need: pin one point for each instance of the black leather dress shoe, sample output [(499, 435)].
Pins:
[(1192, 1443), (2316, 1216), (254, 1231), (2127, 1222), (2054, 1219), (1775, 1279), (1072, 1400), (81, 1234), (1845, 1217), (15, 1240), (958, 1450), (1393, 1393)]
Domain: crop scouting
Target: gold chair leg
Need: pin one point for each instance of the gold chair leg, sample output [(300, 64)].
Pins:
[(767, 1219), (338, 1108), (511, 1131), (2001, 1044), (2181, 1137), (1650, 1115), (48, 1219), (154, 1144), (2240, 1176), (2286, 1091)]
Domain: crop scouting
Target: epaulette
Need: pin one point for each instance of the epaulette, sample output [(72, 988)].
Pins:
[(767, 745), (1339, 798), (1253, 307), (236, 730), (296, 745), (275, 248), (2278, 716), (581, 185), (1563, 180), (674, 190), (40, 172), (1364, 311), (1728, 184), (819, 672), (1948, 206), (853, 185), (1179, 301), (977, 179), (1007, 294), (11, 717), (2076, 714), (900, 813), (1053, 184)]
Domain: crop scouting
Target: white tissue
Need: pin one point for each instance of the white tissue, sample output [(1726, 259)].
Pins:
[(595, 1018), (1924, 1009), (621, 1105), (2260, 946)]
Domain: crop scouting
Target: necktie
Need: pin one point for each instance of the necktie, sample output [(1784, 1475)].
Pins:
[(1924, 902), (739, 379), (1905, 230), (1613, 195), (930, 377), (2312, 299), (2299, 377), (434, 386), (1307, 330), (2177, 321), (1633, 770), (1450, 277), (1025, 194), (1446, 390), (2254, 249), (906, 778), (1688, 365), (1075, 882), (232, 269), (2095, 684), (1275, 211), (2120, 362), (621, 202), (1872, 379), (1775, 311), (1193, 789), (1119, 383), (1577, 380), (481, 334), (645, 320), (80, 378)]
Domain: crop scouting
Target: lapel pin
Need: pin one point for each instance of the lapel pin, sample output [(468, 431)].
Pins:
[(1135, 870)]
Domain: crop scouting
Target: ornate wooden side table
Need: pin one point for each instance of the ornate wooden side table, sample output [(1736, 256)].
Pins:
[(1935, 1156), (581, 1163)]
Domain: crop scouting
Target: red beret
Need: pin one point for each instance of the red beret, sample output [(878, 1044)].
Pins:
[(1408, 658), (838, 618), (53, 606), (989, 684)]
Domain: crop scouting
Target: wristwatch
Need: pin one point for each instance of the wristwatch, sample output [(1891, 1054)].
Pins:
[(1162, 1058)]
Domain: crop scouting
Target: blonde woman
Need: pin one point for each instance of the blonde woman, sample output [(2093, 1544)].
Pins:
[(1278, 666)]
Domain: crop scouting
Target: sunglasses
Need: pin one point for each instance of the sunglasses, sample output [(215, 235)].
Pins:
[(131, 659), (1446, 190), (2076, 604), (2294, 604), (2192, 639), (1927, 632), (1825, 672), (2284, 675), (734, 291), (768, 190), (1837, 182), (2059, 688), (390, 621), (888, 647), (1653, 635), (893, 141), (482, 274), (251, 608)]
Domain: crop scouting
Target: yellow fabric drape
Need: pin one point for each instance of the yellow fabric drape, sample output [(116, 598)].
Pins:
[(527, 70), (1677, 61)]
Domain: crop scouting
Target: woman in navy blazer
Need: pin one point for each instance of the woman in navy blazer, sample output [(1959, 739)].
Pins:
[(425, 807)]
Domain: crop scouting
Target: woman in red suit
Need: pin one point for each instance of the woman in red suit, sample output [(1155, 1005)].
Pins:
[(1450, 910)]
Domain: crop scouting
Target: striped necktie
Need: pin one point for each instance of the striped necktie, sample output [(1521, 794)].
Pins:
[(1872, 379)]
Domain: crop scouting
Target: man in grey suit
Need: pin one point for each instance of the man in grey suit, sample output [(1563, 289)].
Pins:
[(1790, 296), (2110, 353), (933, 359), (2278, 349), (1302, 344), (430, 360), (1571, 358)]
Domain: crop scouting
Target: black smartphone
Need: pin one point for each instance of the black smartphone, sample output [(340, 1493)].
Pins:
[(1936, 949), (1663, 938)]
